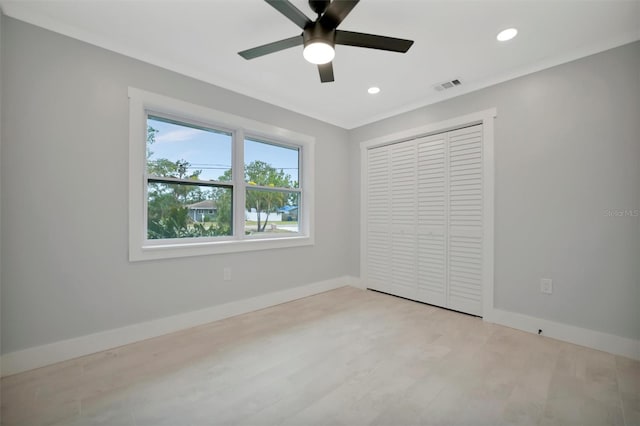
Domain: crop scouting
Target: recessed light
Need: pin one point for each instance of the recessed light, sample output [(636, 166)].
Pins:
[(373, 90), (507, 34)]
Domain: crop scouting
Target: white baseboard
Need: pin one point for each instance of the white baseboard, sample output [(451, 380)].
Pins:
[(40, 356), (613, 344), (356, 282)]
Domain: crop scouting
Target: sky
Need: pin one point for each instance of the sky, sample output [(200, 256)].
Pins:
[(210, 151)]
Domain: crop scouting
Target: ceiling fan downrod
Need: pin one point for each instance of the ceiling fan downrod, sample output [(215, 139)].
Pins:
[(319, 6)]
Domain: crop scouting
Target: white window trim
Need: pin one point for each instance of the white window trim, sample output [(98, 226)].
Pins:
[(140, 248)]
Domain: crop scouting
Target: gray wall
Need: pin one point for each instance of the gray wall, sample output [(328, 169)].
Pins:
[(1, 28), (567, 148), (64, 197)]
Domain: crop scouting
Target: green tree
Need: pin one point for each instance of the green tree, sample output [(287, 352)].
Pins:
[(224, 219), (180, 170), (177, 224), (260, 173), (151, 139)]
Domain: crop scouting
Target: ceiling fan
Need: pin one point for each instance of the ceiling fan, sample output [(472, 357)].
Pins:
[(319, 37)]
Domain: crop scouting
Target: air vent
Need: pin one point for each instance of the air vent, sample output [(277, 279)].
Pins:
[(447, 85)]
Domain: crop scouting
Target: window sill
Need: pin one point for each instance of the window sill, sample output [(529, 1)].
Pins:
[(168, 251)]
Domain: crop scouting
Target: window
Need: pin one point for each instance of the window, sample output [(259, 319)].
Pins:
[(188, 172), (213, 182), (273, 193)]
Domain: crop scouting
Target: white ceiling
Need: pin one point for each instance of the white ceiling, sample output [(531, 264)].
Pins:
[(453, 39)]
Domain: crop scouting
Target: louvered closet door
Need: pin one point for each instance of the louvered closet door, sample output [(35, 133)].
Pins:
[(403, 219), (431, 200), (425, 219), (378, 258), (465, 220)]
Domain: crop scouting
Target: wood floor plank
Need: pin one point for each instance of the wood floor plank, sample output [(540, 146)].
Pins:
[(344, 357)]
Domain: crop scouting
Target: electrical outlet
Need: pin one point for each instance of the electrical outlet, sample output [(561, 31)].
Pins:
[(546, 285), (227, 274)]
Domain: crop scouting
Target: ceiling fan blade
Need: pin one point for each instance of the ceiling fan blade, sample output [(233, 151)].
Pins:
[(276, 46), (336, 12), (326, 72), (349, 38), (290, 11)]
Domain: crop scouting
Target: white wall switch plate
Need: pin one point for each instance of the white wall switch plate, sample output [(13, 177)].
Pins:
[(227, 274), (546, 285)]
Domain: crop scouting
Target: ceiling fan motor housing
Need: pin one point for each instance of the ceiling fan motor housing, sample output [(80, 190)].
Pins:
[(318, 33)]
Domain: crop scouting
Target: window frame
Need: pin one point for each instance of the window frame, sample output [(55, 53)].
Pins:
[(162, 179), (298, 190), (142, 104)]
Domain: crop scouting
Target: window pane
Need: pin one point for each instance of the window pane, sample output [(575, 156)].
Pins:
[(187, 151), (271, 165), (271, 211), (188, 211)]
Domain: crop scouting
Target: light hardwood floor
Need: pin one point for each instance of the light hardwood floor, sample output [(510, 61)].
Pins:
[(345, 357)]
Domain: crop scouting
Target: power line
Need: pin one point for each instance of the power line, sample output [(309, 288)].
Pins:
[(219, 166)]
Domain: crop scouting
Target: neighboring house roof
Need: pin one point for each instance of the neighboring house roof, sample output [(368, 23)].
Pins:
[(202, 205), (287, 209)]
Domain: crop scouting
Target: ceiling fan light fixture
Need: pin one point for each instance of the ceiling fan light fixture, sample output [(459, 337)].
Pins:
[(319, 52)]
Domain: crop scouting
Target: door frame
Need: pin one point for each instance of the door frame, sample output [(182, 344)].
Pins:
[(486, 118)]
